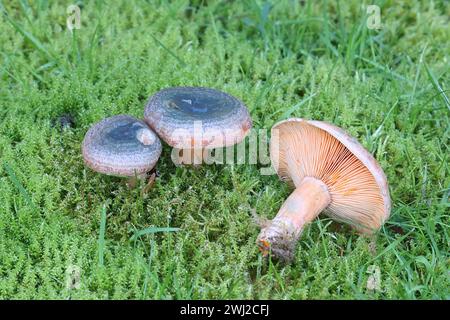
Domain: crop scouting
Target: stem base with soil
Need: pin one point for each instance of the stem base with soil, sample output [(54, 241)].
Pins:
[(301, 207)]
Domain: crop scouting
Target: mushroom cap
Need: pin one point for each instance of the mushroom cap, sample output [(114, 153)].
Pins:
[(122, 146), (356, 183), (188, 117)]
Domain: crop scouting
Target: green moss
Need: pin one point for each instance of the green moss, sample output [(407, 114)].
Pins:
[(372, 83)]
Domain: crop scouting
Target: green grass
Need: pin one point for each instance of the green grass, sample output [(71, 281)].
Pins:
[(312, 59)]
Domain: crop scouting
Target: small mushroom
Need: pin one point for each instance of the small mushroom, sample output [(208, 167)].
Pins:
[(331, 171), (195, 120), (121, 146)]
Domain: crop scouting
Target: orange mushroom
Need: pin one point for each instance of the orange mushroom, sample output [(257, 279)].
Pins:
[(331, 171)]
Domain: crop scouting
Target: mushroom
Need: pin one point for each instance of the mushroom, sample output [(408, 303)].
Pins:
[(121, 146), (331, 171), (196, 120)]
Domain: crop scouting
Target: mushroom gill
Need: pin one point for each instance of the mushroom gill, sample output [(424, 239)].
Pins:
[(307, 151), (331, 171)]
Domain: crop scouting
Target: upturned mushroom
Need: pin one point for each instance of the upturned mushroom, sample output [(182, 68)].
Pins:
[(196, 120), (121, 146), (331, 171)]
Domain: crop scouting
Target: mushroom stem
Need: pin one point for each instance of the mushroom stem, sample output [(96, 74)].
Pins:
[(300, 208)]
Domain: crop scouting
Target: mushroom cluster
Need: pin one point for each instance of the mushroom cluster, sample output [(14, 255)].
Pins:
[(329, 169), (193, 120)]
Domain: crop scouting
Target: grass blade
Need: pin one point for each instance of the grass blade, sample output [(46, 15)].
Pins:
[(28, 36), (18, 184), (151, 230), (101, 236), (169, 51), (288, 112), (390, 247), (385, 69), (437, 86), (111, 72)]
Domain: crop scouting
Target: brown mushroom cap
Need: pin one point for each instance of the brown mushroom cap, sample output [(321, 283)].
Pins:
[(176, 113), (356, 183), (122, 146)]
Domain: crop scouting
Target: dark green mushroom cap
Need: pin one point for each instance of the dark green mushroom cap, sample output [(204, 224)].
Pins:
[(121, 146), (174, 113)]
